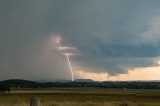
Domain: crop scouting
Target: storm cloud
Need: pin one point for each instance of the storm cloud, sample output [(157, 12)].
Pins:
[(111, 36)]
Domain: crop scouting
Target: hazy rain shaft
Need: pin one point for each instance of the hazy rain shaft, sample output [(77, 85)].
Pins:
[(111, 37)]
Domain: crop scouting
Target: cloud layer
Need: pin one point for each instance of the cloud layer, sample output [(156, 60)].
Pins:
[(111, 36)]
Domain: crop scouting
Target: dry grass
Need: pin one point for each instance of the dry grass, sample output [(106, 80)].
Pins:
[(82, 97), (86, 104)]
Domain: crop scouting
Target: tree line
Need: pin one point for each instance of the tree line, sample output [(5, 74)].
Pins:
[(106, 84)]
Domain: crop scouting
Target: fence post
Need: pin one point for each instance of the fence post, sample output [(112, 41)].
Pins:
[(34, 101)]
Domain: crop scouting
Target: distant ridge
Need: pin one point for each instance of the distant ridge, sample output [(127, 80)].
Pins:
[(16, 80), (19, 83)]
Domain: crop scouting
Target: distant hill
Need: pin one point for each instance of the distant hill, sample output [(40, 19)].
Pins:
[(19, 83)]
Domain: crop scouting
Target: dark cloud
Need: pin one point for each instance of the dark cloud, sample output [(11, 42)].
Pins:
[(112, 36), (24, 47)]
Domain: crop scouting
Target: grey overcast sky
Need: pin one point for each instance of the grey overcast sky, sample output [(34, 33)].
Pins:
[(111, 36)]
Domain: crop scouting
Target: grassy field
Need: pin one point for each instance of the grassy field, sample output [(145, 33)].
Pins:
[(82, 97)]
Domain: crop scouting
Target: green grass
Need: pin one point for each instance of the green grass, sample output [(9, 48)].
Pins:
[(82, 97)]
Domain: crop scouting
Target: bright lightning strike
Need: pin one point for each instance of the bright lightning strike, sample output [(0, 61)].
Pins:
[(69, 63)]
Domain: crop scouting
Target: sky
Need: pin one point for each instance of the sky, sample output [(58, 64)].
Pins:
[(114, 39)]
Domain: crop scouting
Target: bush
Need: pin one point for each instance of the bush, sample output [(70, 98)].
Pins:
[(4, 89)]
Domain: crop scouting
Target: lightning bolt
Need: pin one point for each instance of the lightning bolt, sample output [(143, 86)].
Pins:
[(69, 63)]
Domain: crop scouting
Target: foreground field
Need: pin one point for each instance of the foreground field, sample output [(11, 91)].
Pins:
[(82, 97)]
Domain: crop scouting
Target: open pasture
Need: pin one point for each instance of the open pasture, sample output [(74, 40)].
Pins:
[(82, 97)]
